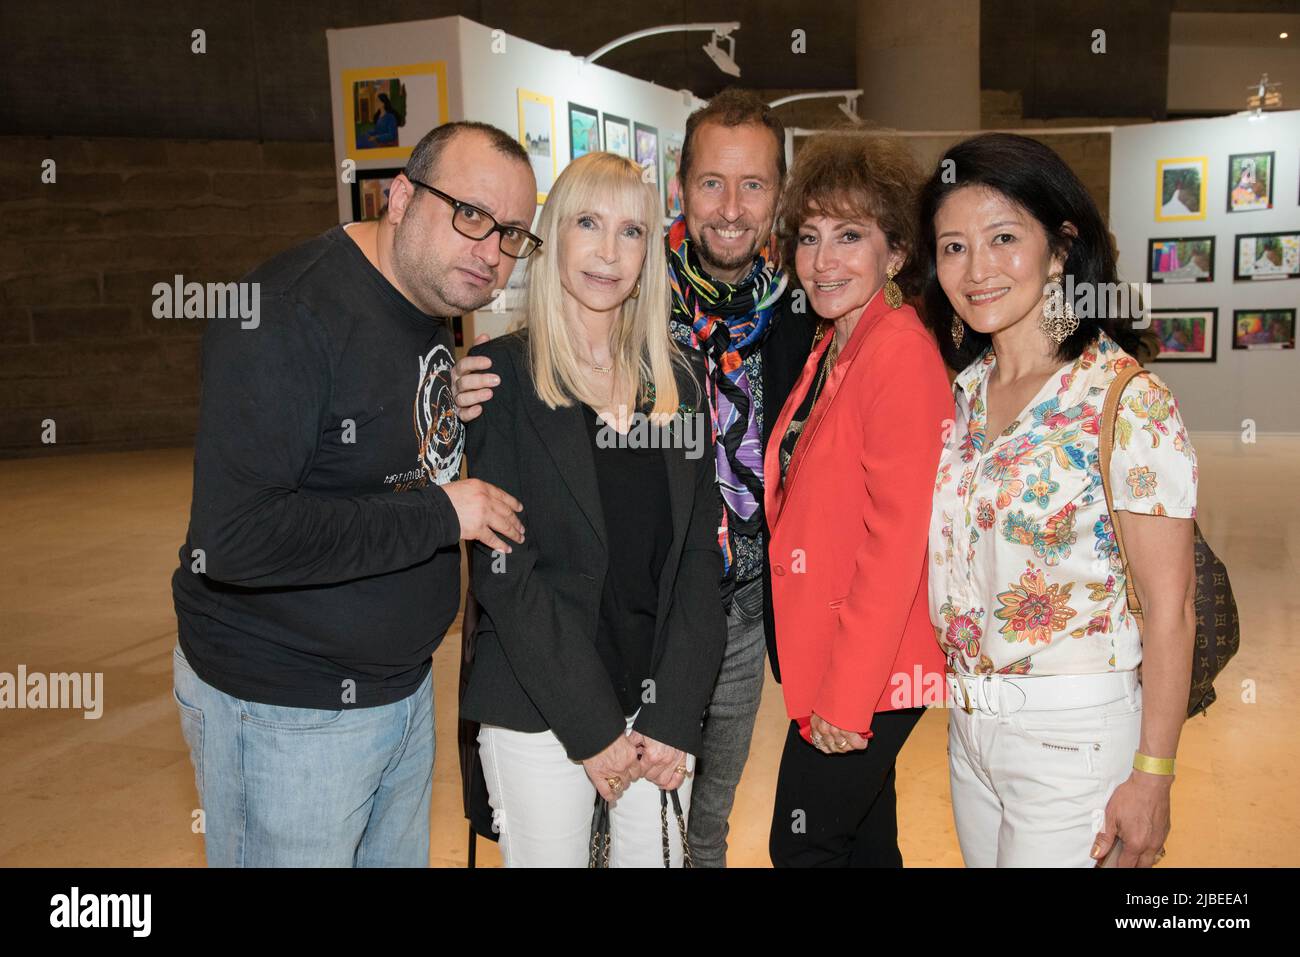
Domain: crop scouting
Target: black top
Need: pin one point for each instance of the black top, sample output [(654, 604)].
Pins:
[(322, 564), (536, 663), (794, 431), (634, 498)]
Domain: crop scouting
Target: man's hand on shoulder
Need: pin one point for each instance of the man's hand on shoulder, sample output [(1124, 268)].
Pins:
[(471, 383)]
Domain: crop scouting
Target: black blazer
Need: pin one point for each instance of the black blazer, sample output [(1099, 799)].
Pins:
[(536, 666)]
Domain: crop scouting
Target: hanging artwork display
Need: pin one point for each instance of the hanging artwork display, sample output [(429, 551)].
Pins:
[(584, 131), (1181, 260), (1180, 188), (618, 135), (386, 110), (1250, 182), (1267, 256), (537, 136)]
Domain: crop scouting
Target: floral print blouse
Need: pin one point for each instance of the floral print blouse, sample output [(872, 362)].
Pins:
[(1025, 576)]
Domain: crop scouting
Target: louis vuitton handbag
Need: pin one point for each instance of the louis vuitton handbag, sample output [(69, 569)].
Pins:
[(1218, 628)]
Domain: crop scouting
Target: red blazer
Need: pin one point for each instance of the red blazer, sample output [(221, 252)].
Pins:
[(848, 529)]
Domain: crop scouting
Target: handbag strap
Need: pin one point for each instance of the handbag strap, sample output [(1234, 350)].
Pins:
[(598, 853), (681, 827), (1106, 436)]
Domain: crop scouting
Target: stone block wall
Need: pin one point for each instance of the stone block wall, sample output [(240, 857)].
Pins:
[(79, 258)]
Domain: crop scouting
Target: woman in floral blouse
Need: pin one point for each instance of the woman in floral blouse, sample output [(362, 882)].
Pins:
[(1065, 719)]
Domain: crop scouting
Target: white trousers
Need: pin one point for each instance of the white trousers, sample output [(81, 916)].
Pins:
[(542, 804), (1029, 787)]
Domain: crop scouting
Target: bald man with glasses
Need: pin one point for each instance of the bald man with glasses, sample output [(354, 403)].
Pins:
[(321, 567)]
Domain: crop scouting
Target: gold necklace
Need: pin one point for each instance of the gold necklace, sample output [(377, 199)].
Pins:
[(832, 356), (828, 362)]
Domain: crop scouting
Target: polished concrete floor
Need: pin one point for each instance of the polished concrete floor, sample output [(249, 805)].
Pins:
[(89, 543)]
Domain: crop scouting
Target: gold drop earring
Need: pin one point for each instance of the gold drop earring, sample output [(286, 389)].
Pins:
[(893, 295), (1059, 321)]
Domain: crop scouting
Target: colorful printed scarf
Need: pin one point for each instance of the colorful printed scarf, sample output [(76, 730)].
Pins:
[(728, 323)]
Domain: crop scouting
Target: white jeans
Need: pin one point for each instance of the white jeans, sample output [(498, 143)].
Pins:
[(542, 806), (1029, 787)]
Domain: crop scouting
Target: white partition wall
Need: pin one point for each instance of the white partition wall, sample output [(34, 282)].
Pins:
[(484, 71), (1262, 386)]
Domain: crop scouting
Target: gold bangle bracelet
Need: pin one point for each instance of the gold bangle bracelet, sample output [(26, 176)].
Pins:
[(1142, 762)]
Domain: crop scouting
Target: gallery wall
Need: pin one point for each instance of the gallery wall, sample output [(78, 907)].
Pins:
[(1260, 385), (485, 70)]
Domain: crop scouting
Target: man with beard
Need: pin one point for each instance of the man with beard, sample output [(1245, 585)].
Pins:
[(733, 302), (322, 563)]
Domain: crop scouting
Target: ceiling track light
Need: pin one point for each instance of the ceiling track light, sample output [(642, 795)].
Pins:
[(725, 60), (1263, 96), (849, 107)]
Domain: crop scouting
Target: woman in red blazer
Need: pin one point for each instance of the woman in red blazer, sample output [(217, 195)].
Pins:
[(849, 478)]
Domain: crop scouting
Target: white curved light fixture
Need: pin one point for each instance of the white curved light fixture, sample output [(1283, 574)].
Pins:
[(725, 60), (849, 107)]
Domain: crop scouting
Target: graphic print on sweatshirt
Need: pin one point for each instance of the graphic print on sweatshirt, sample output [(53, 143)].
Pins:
[(442, 439)]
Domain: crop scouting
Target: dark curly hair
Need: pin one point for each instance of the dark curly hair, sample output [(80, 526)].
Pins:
[(857, 176), (1032, 176)]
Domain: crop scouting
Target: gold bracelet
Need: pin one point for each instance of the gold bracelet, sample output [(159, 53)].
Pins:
[(1142, 762)]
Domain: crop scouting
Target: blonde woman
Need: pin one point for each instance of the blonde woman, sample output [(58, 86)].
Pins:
[(601, 633)]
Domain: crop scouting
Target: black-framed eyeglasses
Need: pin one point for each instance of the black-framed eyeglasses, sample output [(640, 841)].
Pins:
[(474, 223)]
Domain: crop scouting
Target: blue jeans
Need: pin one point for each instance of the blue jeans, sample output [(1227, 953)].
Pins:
[(300, 787)]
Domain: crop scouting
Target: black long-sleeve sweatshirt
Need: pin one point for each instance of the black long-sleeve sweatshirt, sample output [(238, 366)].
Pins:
[(322, 564)]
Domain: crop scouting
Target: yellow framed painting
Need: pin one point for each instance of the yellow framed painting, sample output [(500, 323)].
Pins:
[(537, 137), (1181, 188), (387, 109)]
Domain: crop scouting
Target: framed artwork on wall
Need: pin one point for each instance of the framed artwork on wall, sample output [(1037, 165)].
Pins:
[(672, 185), (537, 136), (370, 192), (1261, 329), (1180, 188), (1181, 260), (1267, 256), (1250, 182), (1186, 335), (647, 151), (618, 135), (387, 109), (584, 131)]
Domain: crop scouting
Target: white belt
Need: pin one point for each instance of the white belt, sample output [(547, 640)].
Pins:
[(1007, 694)]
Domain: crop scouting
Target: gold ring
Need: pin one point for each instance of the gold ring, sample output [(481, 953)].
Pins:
[(681, 769), (615, 783), (841, 745)]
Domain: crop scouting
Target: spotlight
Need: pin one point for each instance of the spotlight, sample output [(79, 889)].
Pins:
[(723, 60)]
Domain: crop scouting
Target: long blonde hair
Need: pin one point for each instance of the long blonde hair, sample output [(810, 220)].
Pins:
[(643, 352)]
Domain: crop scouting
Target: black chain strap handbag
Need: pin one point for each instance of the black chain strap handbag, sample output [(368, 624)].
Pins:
[(598, 855), (681, 826)]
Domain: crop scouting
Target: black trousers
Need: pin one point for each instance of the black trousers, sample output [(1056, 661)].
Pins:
[(840, 810)]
